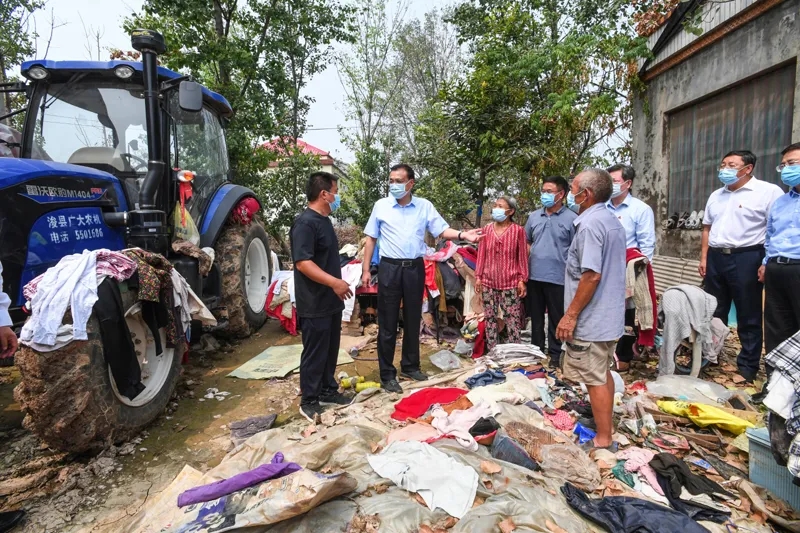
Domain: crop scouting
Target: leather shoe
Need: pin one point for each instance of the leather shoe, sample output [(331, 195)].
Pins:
[(9, 519), (392, 386), (416, 375)]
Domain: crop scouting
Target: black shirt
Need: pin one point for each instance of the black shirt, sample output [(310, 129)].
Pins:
[(312, 238)]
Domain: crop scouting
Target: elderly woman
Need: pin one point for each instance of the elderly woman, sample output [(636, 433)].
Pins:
[(502, 273)]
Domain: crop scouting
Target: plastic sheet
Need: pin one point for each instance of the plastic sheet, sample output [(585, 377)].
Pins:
[(570, 463), (706, 415), (446, 360), (463, 347), (689, 389)]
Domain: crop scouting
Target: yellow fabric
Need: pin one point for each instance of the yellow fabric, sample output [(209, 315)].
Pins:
[(706, 415)]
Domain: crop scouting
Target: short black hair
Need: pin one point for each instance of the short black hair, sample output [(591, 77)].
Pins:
[(318, 182), (747, 156), (791, 148), (628, 173), (407, 168), (559, 181)]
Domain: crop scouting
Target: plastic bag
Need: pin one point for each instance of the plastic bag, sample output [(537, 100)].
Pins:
[(446, 360), (570, 463), (463, 347), (689, 389), (185, 228), (706, 415)]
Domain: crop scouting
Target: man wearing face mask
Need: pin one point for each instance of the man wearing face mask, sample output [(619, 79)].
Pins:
[(734, 231), (400, 221), (635, 215), (319, 293), (549, 231), (780, 271)]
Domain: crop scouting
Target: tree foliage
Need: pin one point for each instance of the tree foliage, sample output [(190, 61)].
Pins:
[(17, 42)]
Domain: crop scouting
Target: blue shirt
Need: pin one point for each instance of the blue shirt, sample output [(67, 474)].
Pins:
[(599, 246), (783, 227), (401, 229), (639, 223), (549, 237)]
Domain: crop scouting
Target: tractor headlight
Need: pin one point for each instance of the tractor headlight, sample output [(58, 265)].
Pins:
[(37, 73), (124, 72)]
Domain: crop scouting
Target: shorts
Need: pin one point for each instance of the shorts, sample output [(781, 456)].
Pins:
[(587, 362)]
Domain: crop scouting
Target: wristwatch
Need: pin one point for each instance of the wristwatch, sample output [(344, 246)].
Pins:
[(459, 235)]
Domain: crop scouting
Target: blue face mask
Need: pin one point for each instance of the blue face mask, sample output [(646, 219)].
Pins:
[(576, 207), (398, 190), (728, 176), (337, 201), (791, 175), (499, 214), (548, 199)]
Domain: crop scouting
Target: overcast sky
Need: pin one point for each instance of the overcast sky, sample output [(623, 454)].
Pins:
[(75, 18)]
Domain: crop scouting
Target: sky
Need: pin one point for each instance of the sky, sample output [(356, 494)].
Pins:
[(75, 19)]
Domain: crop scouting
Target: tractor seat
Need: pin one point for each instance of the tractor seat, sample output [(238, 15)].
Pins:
[(100, 158)]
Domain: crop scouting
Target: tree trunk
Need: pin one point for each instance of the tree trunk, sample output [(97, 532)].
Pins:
[(5, 105), (481, 192)]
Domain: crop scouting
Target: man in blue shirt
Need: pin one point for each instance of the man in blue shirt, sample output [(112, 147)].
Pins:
[(780, 271), (549, 231), (400, 221), (594, 294)]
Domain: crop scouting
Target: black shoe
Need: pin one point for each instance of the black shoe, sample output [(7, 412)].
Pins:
[(392, 386), (554, 364), (416, 375), (9, 519), (311, 412), (336, 398)]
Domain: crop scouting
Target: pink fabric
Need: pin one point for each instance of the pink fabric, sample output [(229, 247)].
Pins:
[(113, 264), (560, 420), (636, 460), (458, 423), (448, 251), (414, 432)]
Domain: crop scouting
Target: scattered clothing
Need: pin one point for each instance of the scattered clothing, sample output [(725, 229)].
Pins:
[(447, 251), (505, 448), (638, 460), (155, 286), (470, 255), (413, 432), (484, 426), (569, 463), (560, 420), (275, 311), (418, 403), (706, 415), (781, 396), (244, 429), (274, 469), (457, 424), (785, 359), (624, 514), (489, 377), (192, 250), (349, 250), (516, 389), (678, 474), (351, 273), (440, 480), (686, 308), (641, 287), (189, 305)]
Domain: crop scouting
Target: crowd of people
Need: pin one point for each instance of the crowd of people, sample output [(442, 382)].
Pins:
[(567, 262)]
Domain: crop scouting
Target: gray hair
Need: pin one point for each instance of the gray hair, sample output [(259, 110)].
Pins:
[(512, 203), (599, 182)]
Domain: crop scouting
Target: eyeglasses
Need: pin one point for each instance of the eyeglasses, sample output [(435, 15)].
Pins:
[(790, 163)]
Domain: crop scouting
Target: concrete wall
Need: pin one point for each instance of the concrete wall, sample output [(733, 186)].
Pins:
[(758, 46)]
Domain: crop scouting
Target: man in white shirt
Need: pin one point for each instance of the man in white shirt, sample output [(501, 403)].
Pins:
[(640, 233), (8, 341), (734, 231)]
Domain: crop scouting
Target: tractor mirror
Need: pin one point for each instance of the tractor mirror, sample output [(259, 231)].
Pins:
[(190, 96)]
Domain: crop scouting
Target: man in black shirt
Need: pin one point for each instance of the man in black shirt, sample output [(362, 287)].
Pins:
[(319, 295)]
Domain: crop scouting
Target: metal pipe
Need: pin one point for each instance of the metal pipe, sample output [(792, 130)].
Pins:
[(155, 164)]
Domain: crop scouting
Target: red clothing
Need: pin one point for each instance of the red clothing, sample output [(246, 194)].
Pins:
[(290, 325), (502, 259), (647, 337), (417, 404)]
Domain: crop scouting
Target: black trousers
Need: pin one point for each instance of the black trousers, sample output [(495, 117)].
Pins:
[(625, 344), (399, 282), (734, 277), (321, 337), (549, 297), (782, 303)]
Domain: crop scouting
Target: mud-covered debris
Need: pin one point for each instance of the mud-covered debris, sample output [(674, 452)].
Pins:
[(21, 484), (207, 345), (364, 524)]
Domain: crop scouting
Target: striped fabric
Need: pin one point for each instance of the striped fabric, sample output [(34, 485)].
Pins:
[(502, 259)]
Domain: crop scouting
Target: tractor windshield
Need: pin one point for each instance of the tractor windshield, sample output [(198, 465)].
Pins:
[(99, 124)]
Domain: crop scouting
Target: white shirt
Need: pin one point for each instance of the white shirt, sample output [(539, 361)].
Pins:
[(739, 218), (5, 302), (639, 223)]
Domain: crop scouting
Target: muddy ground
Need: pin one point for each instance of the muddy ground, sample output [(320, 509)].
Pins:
[(98, 493)]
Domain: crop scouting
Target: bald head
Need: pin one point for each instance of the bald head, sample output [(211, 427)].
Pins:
[(597, 182)]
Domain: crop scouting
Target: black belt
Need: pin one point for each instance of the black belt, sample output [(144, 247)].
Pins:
[(405, 263), (743, 249), (784, 260)]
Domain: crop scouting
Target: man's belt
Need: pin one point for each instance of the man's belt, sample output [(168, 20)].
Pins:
[(743, 249), (784, 260), (405, 263)]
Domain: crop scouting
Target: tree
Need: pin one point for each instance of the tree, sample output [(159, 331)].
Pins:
[(17, 41), (260, 55)]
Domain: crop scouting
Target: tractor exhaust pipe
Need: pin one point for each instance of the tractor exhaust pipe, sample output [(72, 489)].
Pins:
[(151, 44)]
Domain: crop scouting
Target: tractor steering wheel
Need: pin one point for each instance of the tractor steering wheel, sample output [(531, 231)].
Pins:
[(141, 163)]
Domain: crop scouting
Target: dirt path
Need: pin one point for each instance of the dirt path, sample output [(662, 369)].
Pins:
[(70, 494)]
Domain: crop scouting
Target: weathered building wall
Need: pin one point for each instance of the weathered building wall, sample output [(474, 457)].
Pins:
[(768, 41)]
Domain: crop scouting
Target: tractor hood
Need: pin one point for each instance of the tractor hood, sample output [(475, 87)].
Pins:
[(13, 171)]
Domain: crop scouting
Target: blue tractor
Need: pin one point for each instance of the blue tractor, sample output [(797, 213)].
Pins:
[(96, 165)]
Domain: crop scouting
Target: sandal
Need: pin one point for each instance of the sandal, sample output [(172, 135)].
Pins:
[(682, 220), (671, 222), (692, 222)]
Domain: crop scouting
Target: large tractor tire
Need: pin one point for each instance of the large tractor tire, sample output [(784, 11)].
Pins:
[(71, 401), (244, 261)]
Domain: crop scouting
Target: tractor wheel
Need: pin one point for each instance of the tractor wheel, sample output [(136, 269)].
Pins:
[(71, 401), (244, 261)]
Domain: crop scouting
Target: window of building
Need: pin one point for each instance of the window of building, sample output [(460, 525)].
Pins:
[(755, 115)]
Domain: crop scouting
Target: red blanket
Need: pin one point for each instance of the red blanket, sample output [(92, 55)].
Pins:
[(289, 325), (417, 404), (647, 337)]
